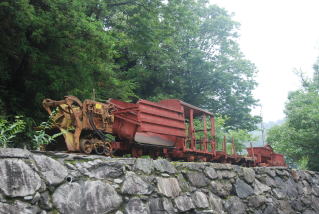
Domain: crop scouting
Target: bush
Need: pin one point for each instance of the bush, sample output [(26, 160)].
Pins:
[(9, 130)]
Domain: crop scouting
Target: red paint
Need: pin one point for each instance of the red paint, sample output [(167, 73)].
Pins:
[(166, 128), (172, 121), (265, 156)]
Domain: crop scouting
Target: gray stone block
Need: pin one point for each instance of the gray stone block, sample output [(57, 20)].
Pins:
[(136, 206), (234, 205), (256, 201), (103, 170), (87, 197), (200, 199), (249, 175), (226, 174), (133, 184), (45, 201), (168, 186), (51, 170), (221, 188), (184, 203), (14, 153), (197, 179), (243, 190), (216, 203), (168, 206), (211, 172), (17, 178), (164, 165), (144, 165), (260, 188), (156, 206), (18, 207)]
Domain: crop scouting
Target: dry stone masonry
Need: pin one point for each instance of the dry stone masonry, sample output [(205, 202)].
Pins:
[(73, 183)]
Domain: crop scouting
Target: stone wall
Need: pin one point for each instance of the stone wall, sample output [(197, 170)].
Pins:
[(73, 183)]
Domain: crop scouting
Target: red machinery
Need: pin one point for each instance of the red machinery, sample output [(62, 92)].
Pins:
[(164, 129), (265, 156), (169, 128)]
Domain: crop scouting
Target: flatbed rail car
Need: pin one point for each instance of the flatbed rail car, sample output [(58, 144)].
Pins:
[(158, 129), (265, 156)]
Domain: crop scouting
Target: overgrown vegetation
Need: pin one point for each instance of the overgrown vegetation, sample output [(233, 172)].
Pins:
[(123, 49), (15, 133), (298, 137), (8, 131), (40, 137), (240, 136)]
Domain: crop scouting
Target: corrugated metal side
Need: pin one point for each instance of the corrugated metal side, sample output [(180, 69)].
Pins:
[(160, 119)]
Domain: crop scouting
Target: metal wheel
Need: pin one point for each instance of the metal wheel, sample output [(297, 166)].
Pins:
[(99, 148), (86, 146), (107, 148)]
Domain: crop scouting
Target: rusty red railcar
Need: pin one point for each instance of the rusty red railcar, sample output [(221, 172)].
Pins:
[(265, 156), (165, 129), (169, 128)]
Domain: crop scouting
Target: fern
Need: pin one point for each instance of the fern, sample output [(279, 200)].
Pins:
[(8, 131), (40, 137)]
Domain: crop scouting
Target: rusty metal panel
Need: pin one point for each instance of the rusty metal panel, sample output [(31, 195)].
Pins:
[(278, 160), (168, 106), (156, 118), (266, 156), (158, 110), (146, 138), (125, 119)]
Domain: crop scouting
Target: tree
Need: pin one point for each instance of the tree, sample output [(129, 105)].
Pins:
[(194, 57), (126, 50), (51, 49), (298, 137)]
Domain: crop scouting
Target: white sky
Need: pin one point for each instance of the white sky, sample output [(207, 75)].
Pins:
[(278, 36)]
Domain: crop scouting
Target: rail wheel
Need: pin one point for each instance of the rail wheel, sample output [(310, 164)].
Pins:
[(136, 152), (86, 146), (107, 148), (99, 148)]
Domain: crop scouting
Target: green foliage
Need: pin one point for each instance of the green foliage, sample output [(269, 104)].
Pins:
[(279, 137), (9, 130), (303, 163), (197, 60), (123, 49), (22, 132), (298, 137), (145, 156), (40, 137), (72, 56), (241, 137)]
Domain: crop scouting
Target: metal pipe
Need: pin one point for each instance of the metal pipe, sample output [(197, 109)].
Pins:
[(205, 133), (233, 146), (224, 145)]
